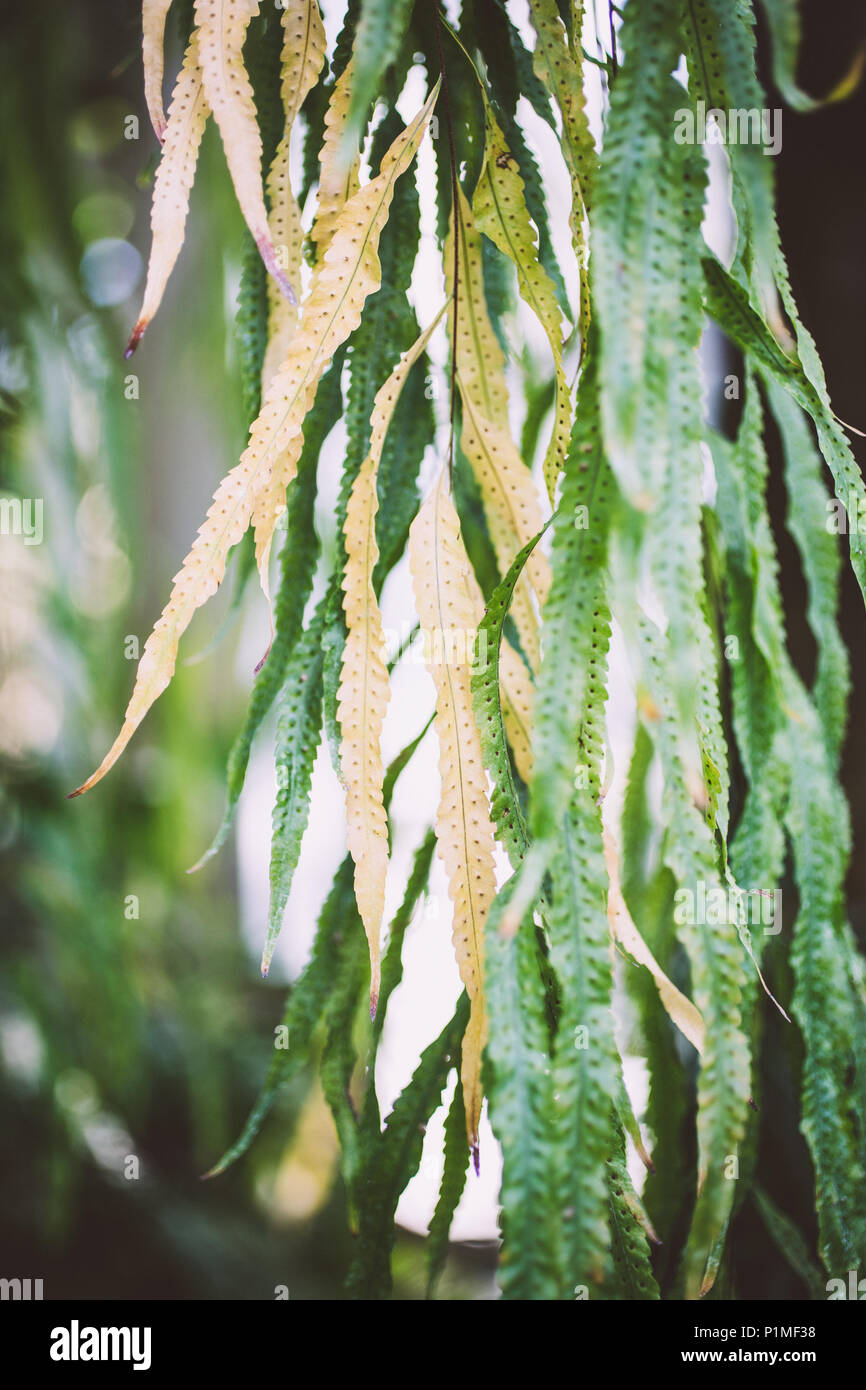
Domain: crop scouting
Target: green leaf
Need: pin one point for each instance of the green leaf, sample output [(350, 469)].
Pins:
[(450, 1189), (575, 617), (306, 1004), (380, 29), (790, 1242), (518, 1082), (816, 821), (728, 303), (783, 21), (808, 500), (629, 1246), (389, 1161), (645, 241), (299, 723), (505, 808)]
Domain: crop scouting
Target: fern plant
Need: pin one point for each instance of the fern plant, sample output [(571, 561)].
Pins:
[(622, 511)]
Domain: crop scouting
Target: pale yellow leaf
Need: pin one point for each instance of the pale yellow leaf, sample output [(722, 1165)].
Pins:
[(153, 13), (680, 1009), (343, 280), (187, 116), (338, 176), (513, 511), (464, 832), (509, 495), (561, 70), (223, 26), (500, 212), (480, 360), (364, 688), (363, 700), (517, 697), (288, 236), (302, 58), (304, 50)]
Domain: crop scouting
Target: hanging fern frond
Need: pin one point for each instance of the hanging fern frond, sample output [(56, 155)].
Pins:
[(299, 721), (338, 175), (562, 75), (440, 574), (808, 498), (522, 1110), (508, 492), (222, 28), (153, 35), (491, 713), (364, 690), (302, 58), (500, 212), (630, 1230), (388, 1164), (187, 117), (728, 303), (379, 33), (450, 1189), (574, 614), (295, 1036), (783, 20)]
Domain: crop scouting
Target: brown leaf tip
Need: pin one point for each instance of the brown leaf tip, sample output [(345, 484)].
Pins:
[(135, 338)]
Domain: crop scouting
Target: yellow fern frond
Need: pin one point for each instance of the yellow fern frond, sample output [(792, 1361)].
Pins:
[(513, 511), (187, 117), (153, 13), (464, 832), (338, 178), (343, 280), (500, 212), (364, 688), (302, 58), (363, 700), (480, 359), (251, 491), (681, 1011), (559, 68), (223, 26), (304, 50), (511, 502), (518, 701)]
